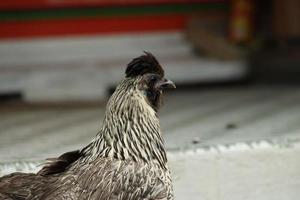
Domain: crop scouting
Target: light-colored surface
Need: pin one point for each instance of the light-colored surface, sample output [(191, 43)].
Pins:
[(248, 171), (223, 144), (82, 68), (255, 171), (192, 119), (189, 120)]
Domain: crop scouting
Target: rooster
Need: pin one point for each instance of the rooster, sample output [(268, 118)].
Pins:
[(125, 161)]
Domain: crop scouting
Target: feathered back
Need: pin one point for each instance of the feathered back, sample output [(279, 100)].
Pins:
[(58, 165), (144, 64)]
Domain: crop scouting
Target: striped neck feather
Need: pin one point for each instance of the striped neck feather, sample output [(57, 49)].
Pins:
[(130, 129)]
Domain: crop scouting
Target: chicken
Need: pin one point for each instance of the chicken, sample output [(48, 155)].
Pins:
[(125, 161)]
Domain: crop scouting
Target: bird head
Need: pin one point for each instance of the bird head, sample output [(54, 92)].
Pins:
[(146, 76), (131, 129)]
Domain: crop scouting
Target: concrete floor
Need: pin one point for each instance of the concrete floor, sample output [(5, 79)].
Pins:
[(189, 120), (230, 143)]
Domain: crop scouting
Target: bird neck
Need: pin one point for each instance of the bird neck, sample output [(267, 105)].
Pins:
[(130, 131)]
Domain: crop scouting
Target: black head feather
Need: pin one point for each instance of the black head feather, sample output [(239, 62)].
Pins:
[(144, 64)]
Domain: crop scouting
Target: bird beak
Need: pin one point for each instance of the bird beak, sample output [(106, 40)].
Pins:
[(165, 84)]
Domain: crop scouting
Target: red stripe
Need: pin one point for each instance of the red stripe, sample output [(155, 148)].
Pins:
[(35, 4), (44, 28)]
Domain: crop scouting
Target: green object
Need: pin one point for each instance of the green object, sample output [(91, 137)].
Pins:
[(95, 12)]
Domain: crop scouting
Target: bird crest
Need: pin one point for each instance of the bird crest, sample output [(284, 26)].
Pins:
[(146, 63)]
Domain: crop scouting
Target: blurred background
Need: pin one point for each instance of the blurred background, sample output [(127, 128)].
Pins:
[(232, 127)]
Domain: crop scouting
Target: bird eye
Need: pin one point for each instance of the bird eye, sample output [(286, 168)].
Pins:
[(153, 78)]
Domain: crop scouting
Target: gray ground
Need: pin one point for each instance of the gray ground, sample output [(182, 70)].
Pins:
[(234, 143), (188, 119)]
